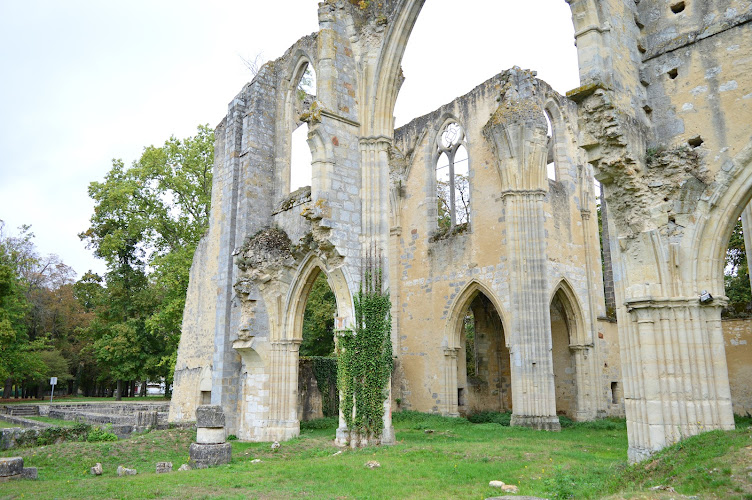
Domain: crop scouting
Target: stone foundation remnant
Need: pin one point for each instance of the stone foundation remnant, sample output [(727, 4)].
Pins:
[(482, 219), (13, 468), (210, 447)]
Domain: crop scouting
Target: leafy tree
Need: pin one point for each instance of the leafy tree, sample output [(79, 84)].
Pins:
[(318, 320), (736, 276), (19, 357), (461, 202), (146, 224)]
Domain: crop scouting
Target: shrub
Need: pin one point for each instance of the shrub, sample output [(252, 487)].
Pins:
[(490, 417), (52, 435), (320, 423), (98, 434)]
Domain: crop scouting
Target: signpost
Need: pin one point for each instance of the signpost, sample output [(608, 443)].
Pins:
[(53, 383)]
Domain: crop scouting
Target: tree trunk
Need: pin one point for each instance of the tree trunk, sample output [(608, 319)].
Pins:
[(8, 388), (118, 391), (143, 389)]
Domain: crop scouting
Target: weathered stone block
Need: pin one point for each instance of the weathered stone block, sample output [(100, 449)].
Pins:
[(164, 467), (210, 416), (208, 435), (96, 470), (29, 473), (207, 455), (123, 471), (11, 466)]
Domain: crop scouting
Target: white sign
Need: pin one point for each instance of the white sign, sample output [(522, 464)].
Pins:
[(53, 381)]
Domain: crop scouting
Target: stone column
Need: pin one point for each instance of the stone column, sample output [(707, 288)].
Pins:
[(585, 408), (283, 422), (450, 381), (675, 375), (533, 392), (210, 447), (518, 133)]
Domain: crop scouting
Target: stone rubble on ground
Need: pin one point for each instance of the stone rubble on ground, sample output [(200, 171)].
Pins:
[(372, 464), (164, 467), (184, 467), (13, 468), (96, 470), (124, 471), (506, 488)]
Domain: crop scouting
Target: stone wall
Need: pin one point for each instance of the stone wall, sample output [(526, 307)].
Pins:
[(661, 119), (737, 334)]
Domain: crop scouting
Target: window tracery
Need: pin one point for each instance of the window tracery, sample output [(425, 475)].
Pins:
[(452, 178)]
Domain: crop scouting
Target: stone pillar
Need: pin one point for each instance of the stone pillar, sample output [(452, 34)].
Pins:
[(583, 355), (747, 229), (450, 382), (533, 393), (210, 447), (675, 375), (283, 422), (518, 133)]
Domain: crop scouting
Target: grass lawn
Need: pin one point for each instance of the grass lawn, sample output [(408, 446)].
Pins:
[(7, 425), (456, 460), (53, 421)]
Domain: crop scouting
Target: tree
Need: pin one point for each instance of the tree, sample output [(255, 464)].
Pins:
[(318, 320), (736, 276), (19, 357), (461, 202), (146, 224)]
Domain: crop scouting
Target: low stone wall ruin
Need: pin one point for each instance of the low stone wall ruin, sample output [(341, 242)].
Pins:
[(124, 418)]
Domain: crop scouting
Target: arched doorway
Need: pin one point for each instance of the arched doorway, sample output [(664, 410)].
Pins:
[(483, 369), (477, 362), (317, 368), (565, 378)]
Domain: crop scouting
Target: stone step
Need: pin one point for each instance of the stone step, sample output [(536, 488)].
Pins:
[(24, 411)]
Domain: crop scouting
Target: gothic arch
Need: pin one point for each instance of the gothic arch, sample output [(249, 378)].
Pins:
[(574, 357), (573, 307), (388, 75), (490, 387), (307, 273), (725, 205), (460, 305)]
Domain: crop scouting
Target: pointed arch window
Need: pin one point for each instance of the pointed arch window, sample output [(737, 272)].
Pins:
[(452, 178), (301, 170)]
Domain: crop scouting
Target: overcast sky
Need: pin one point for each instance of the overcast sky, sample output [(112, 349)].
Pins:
[(83, 82)]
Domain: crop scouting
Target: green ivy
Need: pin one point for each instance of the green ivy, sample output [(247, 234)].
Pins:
[(365, 358), (325, 371)]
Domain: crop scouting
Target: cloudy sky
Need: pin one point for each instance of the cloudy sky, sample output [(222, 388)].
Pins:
[(86, 81)]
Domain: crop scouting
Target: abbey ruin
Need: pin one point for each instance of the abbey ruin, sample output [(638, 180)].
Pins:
[(468, 222)]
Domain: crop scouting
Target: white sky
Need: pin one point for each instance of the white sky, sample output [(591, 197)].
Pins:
[(83, 82)]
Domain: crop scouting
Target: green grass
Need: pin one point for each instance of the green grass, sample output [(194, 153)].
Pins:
[(53, 421), (7, 425), (435, 457)]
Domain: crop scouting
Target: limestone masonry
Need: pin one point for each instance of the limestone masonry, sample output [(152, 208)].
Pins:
[(483, 214)]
